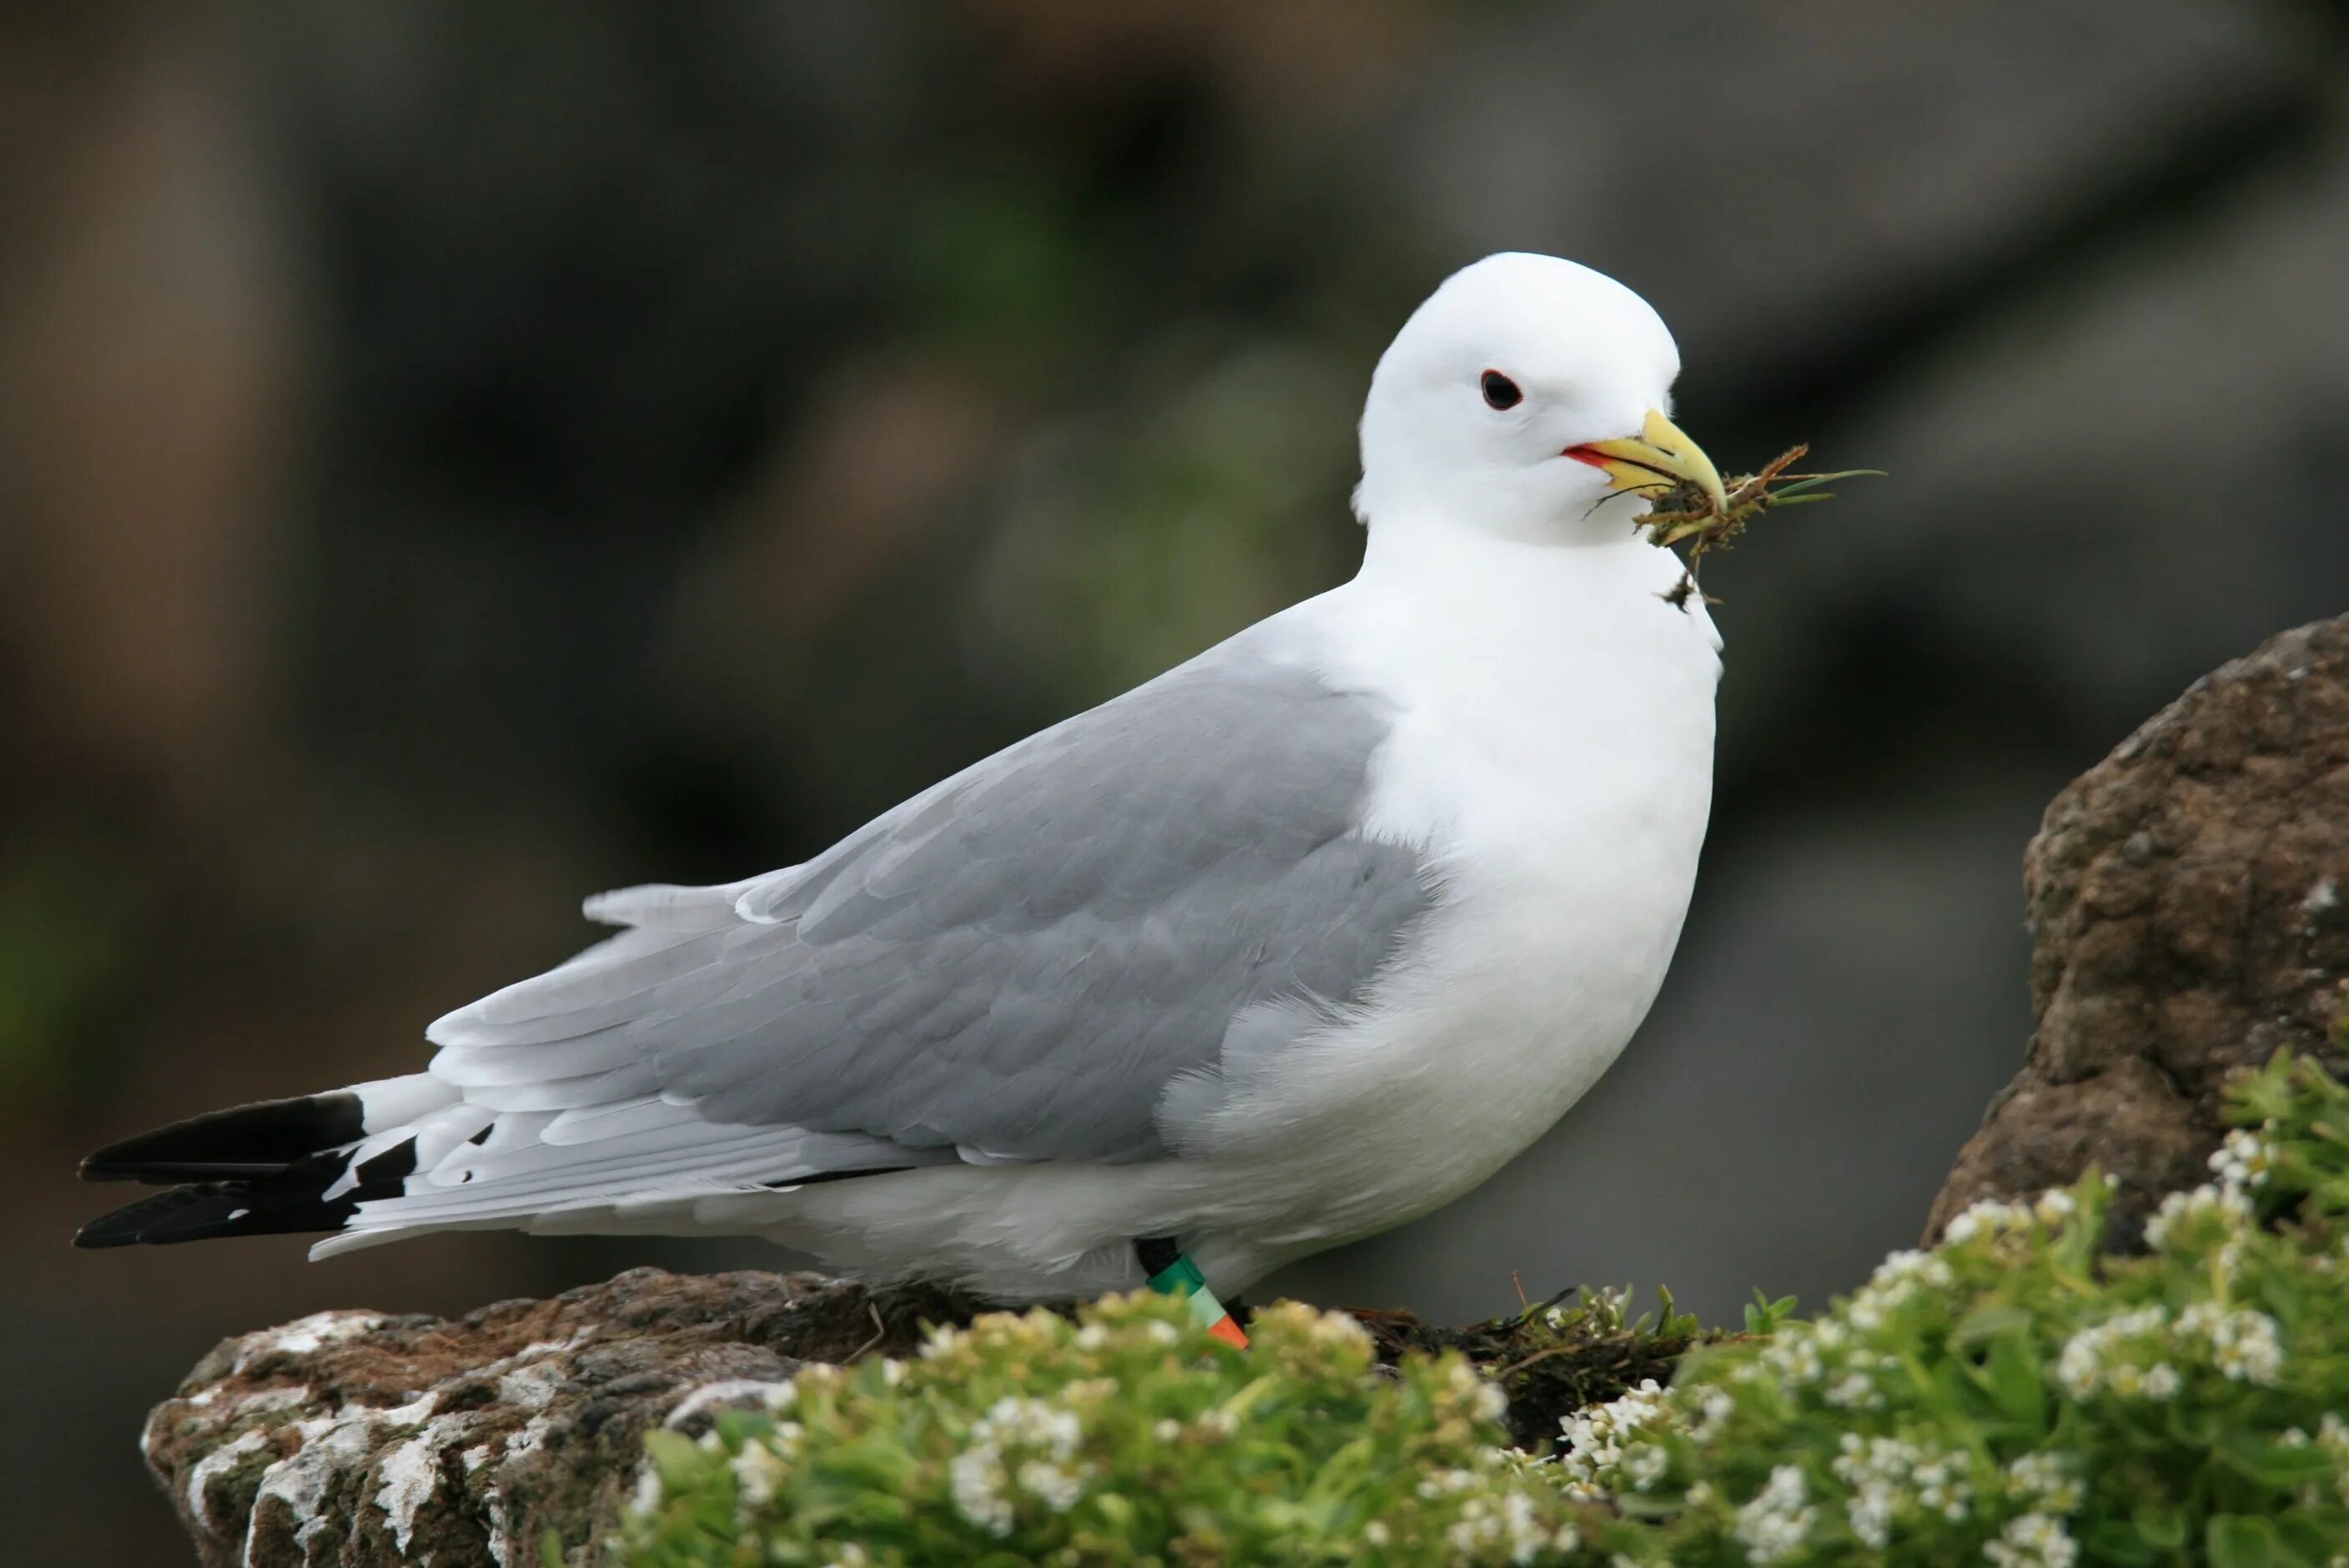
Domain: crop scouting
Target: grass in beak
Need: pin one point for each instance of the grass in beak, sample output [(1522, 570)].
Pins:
[(1686, 515)]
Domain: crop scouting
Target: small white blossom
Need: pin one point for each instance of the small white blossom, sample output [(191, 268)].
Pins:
[(1645, 1464), (1853, 1391), (1714, 1406), (2241, 1163), (758, 1471), (1897, 1282), (1890, 1477), (1056, 1488), (2033, 1540), (1596, 1438), (975, 1481), (2245, 1346), (2228, 1202), (2047, 1481), (1987, 1217), (1033, 1423), (2086, 1363), (1775, 1524)]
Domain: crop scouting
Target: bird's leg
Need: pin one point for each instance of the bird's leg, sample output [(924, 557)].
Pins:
[(1172, 1272)]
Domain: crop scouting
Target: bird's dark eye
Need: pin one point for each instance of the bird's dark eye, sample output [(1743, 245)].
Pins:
[(1500, 392)]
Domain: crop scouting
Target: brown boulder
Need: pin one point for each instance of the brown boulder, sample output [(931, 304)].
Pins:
[(2187, 900)]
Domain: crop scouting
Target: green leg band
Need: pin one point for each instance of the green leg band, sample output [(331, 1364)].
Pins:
[(1182, 1277)]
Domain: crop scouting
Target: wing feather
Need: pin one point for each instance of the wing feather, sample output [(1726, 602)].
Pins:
[(1017, 963)]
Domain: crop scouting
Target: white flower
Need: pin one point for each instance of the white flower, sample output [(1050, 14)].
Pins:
[(2033, 1540), (1595, 1437), (975, 1477), (1714, 1406), (1871, 1518), (1897, 1282), (2246, 1347), (1058, 1489), (2047, 1480), (2242, 1162), (1166, 1429), (1853, 1391), (2054, 1206), (1891, 1476), (1775, 1525), (2087, 1360), (1375, 1535), (757, 1471), (1987, 1218), (1645, 1464), (1446, 1484), (2228, 1202), (1033, 1423)]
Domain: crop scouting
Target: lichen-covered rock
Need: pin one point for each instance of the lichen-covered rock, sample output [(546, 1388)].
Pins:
[(350, 1437), (2187, 900), (356, 1439)]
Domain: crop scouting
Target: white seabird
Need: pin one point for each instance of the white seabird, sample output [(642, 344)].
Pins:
[(1298, 942)]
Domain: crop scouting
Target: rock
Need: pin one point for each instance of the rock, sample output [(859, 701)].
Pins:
[(351, 1438), (355, 1441), (2188, 902)]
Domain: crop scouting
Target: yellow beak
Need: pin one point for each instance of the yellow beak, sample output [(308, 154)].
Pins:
[(1655, 460)]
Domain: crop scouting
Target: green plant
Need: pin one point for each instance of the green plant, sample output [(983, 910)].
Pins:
[(2014, 1397), (1126, 1436)]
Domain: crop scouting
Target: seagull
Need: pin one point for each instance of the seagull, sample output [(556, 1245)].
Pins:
[(1302, 939)]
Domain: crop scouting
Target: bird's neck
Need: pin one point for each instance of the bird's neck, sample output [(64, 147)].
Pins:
[(1458, 570), (1501, 616)]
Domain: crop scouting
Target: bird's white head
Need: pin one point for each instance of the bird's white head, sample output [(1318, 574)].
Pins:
[(1522, 399)]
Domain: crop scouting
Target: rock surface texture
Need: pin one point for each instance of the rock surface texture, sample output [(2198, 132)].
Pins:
[(2188, 908), (2187, 900), (351, 1438)]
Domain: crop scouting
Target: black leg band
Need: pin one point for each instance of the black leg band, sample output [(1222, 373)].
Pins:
[(1156, 1254)]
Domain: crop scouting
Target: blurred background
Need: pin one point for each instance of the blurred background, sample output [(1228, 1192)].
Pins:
[(456, 456)]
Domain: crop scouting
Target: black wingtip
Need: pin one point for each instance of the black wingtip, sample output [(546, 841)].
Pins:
[(248, 1142), (291, 1199)]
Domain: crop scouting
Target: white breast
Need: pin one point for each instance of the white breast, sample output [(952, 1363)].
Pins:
[(1554, 753)]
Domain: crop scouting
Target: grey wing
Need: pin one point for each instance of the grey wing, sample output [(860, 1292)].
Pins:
[(1015, 965)]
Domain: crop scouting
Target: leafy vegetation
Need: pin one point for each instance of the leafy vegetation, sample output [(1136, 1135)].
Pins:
[(2014, 1397)]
